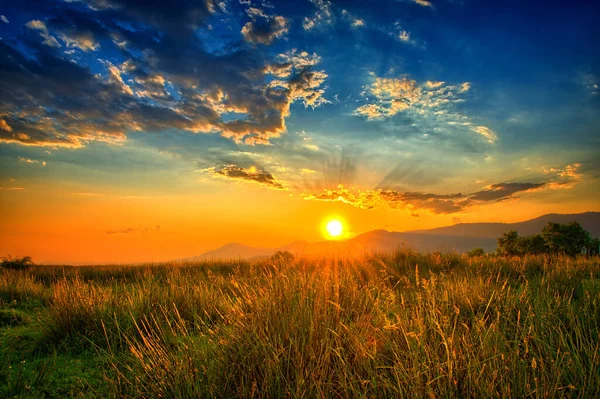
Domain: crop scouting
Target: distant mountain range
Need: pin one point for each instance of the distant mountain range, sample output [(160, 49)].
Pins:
[(460, 237)]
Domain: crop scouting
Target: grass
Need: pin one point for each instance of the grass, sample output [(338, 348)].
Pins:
[(400, 324)]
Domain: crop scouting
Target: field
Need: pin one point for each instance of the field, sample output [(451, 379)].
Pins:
[(401, 324)]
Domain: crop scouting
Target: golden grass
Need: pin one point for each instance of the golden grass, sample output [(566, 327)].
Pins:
[(402, 324)]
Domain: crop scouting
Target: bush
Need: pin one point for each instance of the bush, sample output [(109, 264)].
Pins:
[(476, 252), (282, 257), (22, 263)]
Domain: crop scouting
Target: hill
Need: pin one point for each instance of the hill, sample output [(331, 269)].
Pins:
[(588, 220), (461, 237)]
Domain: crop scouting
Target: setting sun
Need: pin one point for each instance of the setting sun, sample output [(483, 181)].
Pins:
[(334, 228)]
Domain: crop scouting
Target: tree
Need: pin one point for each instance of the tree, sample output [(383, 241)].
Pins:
[(533, 244), (593, 247), (22, 263), (508, 244), (568, 239)]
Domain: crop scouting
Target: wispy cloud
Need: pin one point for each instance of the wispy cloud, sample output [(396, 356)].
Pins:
[(323, 15), (386, 97), (32, 161), (40, 26), (424, 3), (591, 83), (139, 230)]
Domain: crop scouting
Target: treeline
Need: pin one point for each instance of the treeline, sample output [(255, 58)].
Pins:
[(560, 239)]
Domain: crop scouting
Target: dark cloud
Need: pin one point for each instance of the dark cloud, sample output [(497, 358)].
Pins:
[(164, 80), (264, 30), (251, 174), (501, 191), (415, 201), (175, 16)]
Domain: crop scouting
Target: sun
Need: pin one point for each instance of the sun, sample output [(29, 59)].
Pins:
[(334, 228)]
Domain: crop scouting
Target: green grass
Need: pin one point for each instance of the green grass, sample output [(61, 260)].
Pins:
[(402, 324)]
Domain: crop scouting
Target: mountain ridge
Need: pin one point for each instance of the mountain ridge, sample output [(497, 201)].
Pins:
[(461, 237)]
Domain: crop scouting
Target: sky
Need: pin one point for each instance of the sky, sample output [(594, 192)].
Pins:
[(135, 131)]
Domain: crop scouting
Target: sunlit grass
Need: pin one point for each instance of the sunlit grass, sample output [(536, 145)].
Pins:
[(402, 324)]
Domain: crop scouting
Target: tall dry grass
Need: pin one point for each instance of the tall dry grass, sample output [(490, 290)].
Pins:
[(401, 324)]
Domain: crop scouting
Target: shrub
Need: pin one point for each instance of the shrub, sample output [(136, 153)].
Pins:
[(476, 252), (22, 263), (282, 257)]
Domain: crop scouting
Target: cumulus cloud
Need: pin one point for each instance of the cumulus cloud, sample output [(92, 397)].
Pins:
[(165, 79), (251, 174), (564, 177)]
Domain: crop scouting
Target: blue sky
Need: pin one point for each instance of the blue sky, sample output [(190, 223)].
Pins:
[(389, 99)]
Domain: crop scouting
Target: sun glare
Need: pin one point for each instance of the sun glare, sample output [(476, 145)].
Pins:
[(334, 228)]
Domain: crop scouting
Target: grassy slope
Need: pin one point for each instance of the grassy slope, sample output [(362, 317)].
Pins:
[(397, 325)]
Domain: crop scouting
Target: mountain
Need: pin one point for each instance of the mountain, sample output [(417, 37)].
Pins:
[(233, 250), (460, 237), (588, 220)]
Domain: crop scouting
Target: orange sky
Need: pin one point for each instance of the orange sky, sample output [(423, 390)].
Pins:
[(55, 226)]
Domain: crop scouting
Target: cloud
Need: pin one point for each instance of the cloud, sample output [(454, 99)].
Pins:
[(37, 25), (176, 17), (264, 29), (323, 15), (251, 174), (31, 161), (564, 177), (404, 36), (165, 79), (591, 83), (82, 40), (5, 126), (423, 3), (140, 229), (417, 201), (355, 22), (4, 19), (500, 191), (487, 133), (432, 101)]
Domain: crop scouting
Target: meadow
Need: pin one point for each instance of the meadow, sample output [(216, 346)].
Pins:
[(400, 324)]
